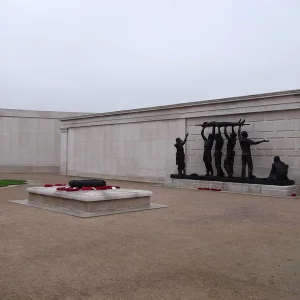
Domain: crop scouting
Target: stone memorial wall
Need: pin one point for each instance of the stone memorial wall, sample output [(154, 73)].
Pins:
[(139, 144), (30, 140), (136, 151)]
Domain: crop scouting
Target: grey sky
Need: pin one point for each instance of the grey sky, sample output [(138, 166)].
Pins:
[(97, 56)]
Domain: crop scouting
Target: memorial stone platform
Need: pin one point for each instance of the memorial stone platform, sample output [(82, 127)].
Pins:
[(236, 187), (86, 204)]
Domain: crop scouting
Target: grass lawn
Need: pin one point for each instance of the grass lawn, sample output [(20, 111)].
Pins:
[(7, 182)]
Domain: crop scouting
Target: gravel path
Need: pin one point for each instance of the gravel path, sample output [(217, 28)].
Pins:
[(206, 245)]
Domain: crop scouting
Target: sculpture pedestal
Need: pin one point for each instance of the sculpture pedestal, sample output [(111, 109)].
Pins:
[(89, 203), (261, 181), (236, 187)]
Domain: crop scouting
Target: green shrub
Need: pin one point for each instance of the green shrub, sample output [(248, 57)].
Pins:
[(7, 182)]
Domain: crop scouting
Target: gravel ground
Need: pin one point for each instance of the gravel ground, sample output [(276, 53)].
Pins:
[(206, 245)]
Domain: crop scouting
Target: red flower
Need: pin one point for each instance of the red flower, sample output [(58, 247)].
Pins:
[(61, 188), (101, 188), (209, 189), (68, 189), (72, 189), (87, 188)]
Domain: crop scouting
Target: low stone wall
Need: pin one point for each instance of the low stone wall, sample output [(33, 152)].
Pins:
[(30, 141)]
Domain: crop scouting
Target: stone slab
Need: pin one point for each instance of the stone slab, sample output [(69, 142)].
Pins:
[(90, 196), (82, 214), (87, 204), (234, 187), (90, 201)]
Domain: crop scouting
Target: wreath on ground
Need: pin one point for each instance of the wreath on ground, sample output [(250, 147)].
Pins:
[(83, 185)]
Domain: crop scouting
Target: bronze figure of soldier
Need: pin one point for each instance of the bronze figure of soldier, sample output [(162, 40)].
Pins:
[(219, 142), (229, 159), (246, 143), (208, 144), (279, 170), (180, 156)]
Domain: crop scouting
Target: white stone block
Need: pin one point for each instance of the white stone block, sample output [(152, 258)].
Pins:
[(264, 126), (193, 121), (191, 153), (233, 187), (292, 134), (254, 117), (252, 188), (273, 135), (168, 182), (195, 160), (192, 184), (194, 129), (216, 185), (203, 184), (195, 183), (285, 144), (192, 137), (286, 125), (279, 191), (176, 183), (193, 145), (292, 153), (274, 116)]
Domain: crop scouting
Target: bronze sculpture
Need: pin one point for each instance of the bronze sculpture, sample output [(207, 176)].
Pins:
[(221, 124), (208, 144), (180, 156), (229, 159), (219, 142), (246, 143), (278, 174), (279, 170)]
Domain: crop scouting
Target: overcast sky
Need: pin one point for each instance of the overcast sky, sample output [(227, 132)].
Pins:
[(98, 56)]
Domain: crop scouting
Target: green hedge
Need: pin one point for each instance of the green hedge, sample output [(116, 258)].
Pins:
[(7, 182)]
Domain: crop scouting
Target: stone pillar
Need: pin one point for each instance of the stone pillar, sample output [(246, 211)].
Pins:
[(64, 151)]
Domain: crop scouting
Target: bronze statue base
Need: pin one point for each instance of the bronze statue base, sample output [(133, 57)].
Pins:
[(263, 181)]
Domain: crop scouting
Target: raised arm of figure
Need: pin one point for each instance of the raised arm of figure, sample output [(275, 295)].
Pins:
[(226, 133), (184, 141), (202, 134), (214, 131), (239, 132)]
